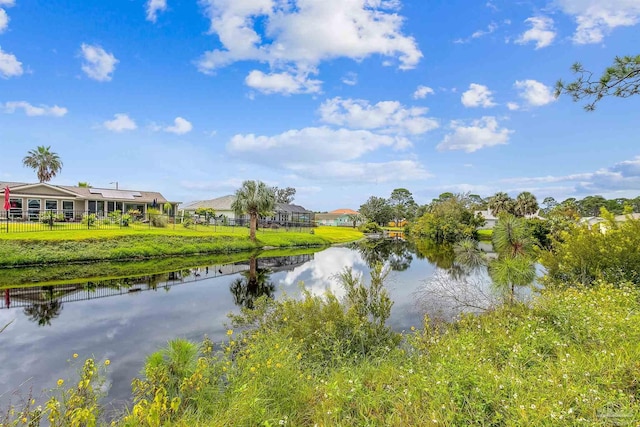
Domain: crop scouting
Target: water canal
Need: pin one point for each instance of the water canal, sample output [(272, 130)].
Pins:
[(101, 311)]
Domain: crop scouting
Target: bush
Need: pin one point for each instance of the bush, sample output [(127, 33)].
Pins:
[(89, 219), (156, 218), (370, 227), (50, 217)]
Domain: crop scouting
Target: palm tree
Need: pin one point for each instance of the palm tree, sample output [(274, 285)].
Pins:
[(501, 203), (254, 198), (46, 163), (515, 264), (526, 204), (511, 237)]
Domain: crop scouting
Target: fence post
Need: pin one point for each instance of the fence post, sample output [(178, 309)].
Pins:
[(88, 221)]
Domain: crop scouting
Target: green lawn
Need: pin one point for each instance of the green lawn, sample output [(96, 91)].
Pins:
[(131, 243), (485, 234)]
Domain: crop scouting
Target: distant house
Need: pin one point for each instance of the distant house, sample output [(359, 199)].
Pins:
[(29, 200), (622, 218), (339, 218), (283, 213), (400, 223), (491, 219)]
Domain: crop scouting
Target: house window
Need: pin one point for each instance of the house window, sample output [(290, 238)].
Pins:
[(51, 205), (114, 206), (67, 209), (96, 206), (34, 209), (16, 208)]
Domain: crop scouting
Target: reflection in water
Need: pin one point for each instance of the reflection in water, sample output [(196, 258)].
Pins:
[(43, 312), (252, 284), (397, 253)]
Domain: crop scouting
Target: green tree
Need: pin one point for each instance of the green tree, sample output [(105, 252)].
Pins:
[(402, 204), (501, 203), (515, 265), (254, 198), (590, 205), (377, 209), (449, 220), (82, 184), (207, 213), (549, 203), (584, 255), (46, 163), (621, 80), (284, 195), (526, 204)]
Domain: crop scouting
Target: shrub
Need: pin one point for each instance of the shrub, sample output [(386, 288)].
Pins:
[(370, 227), (89, 219), (50, 217), (156, 218)]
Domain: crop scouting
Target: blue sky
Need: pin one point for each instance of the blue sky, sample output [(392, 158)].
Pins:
[(342, 99)]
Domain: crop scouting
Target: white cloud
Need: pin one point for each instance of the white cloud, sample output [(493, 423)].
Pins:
[(283, 83), (541, 32), (622, 177), (303, 33), (482, 133), (491, 28), (513, 106), (535, 93), (310, 144), (153, 7), (180, 126), (7, 3), (9, 65), (387, 116), (350, 79), (4, 21), (120, 123), (596, 18), (31, 110), (478, 96), (98, 64), (422, 92)]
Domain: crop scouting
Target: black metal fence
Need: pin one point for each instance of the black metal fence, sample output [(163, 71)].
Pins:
[(32, 221)]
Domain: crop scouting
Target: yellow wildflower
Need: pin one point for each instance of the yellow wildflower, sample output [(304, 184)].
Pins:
[(230, 332), (60, 382), (107, 362), (75, 355)]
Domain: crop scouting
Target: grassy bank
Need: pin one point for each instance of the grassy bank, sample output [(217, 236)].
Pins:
[(570, 359), (63, 274), (21, 249)]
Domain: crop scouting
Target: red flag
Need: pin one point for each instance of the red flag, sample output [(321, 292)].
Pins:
[(7, 205)]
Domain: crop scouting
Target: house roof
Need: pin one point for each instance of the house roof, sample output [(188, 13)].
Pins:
[(224, 204), (93, 193), (283, 207), (620, 218), (344, 212), (329, 216), (220, 204)]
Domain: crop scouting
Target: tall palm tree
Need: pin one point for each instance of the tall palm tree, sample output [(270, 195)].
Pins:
[(254, 198), (46, 163), (501, 203), (526, 204)]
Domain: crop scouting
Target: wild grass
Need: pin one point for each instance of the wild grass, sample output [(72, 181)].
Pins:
[(23, 249), (569, 359)]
